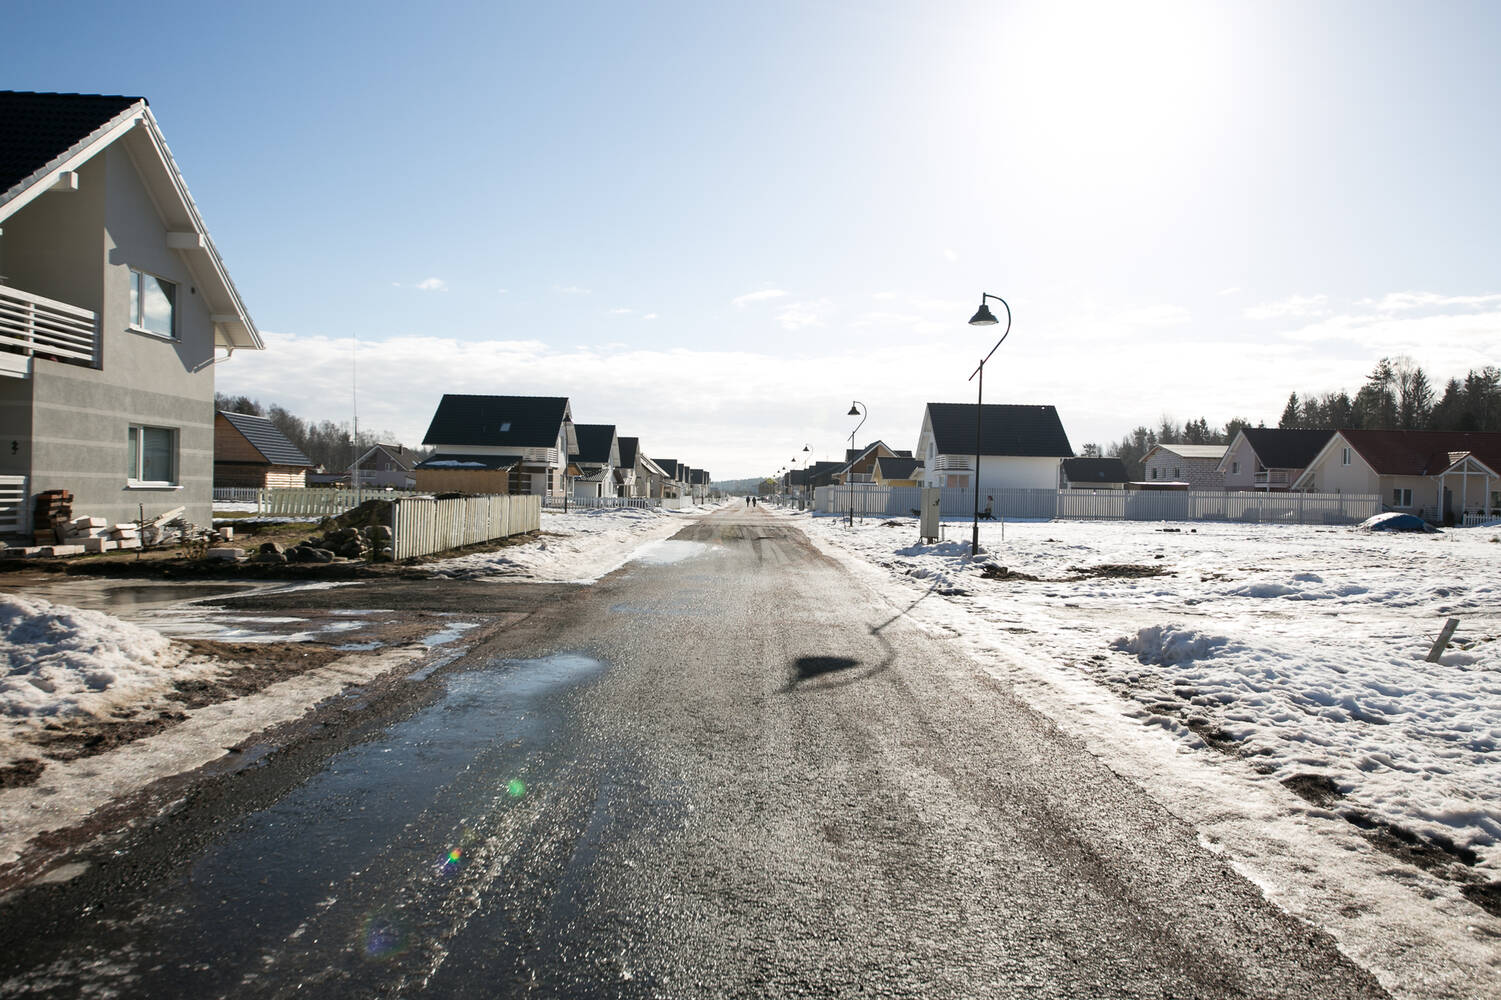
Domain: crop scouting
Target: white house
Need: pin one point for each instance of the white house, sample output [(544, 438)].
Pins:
[(499, 444), (113, 304), (594, 461), (1441, 475), (1270, 458), (1021, 447)]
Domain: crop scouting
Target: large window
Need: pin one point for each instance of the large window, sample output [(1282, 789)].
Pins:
[(153, 303), (1401, 498), (153, 456)]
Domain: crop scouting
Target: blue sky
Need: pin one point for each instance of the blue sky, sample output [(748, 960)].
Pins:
[(716, 224)]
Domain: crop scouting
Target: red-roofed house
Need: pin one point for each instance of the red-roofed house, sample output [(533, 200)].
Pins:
[(1439, 474)]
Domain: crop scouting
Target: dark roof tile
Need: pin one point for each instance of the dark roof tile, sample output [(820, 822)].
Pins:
[(262, 434), (1008, 429), (37, 129), (1094, 470), (498, 421)]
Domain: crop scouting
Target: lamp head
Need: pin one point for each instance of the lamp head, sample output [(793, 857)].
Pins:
[(984, 317), (853, 411)]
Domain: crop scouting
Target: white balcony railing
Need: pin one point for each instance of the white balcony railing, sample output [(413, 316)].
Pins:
[(1273, 479), (954, 463), (32, 326)]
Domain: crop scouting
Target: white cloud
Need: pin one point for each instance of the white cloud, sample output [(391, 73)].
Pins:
[(800, 315), (621, 312), (571, 290), (951, 255), (432, 285), (1398, 301), (741, 301), (650, 316), (502, 291), (1232, 290), (1160, 314), (1293, 306)]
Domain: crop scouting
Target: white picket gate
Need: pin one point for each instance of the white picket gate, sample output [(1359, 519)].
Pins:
[(12, 505), (422, 525)]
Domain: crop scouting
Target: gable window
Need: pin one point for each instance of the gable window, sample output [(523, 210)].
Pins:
[(1154, 473), (1234, 468), (152, 456), (153, 304), (1344, 456), (1401, 498)]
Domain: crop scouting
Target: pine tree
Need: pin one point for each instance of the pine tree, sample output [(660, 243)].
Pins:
[(1292, 413)]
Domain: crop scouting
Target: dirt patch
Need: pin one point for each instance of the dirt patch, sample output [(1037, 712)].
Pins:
[(1214, 736), (20, 773), (1486, 895), (1433, 854), (1118, 570), (1317, 789), (993, 572)]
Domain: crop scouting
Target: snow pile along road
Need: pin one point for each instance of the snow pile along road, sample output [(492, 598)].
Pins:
[(1301, 650), (63, 663), (579, 546)]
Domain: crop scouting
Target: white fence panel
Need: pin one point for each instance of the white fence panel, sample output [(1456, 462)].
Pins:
[(237, 494), (423, 525), (864, 500), (559, 503), (308, 501), (13, 512)]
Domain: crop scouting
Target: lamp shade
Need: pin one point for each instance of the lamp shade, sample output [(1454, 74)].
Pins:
[(984, 317), (853, 411)]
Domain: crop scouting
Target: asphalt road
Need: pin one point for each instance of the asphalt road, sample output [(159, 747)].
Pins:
[(729, 770)]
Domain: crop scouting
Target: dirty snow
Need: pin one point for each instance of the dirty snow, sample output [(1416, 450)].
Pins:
[(579, 546)]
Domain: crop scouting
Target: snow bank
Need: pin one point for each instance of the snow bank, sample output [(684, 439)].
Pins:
[(579, 546)]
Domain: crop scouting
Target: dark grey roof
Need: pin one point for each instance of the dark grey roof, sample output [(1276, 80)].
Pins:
[(38, 129), (699, 477), (1286, 448), (266, 439), (498, 421), (1008, 429), (669, 466), (628, 448), (469, 462), (594, 442), (399, 456), (897, 468), (1094, 470), (821, 473)]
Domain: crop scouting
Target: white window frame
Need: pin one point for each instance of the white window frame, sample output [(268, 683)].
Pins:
[(135, 443), (1401, 496), (135, 293)]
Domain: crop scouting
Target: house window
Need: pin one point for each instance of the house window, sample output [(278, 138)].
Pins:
[(954, 482), (1177, 473), (1401, 498), (153, 303), (1344, 456), (1154, 473), (1234, 468), (152, 459)]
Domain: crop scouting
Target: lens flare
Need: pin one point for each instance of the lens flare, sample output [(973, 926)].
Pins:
[(516, 788), (384, 937), (451, 862)]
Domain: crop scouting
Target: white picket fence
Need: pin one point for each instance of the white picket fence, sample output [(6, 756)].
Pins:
[(314, 502), (1110, 505), (422, 525), (559, 502), (237, 494), (12, 505)]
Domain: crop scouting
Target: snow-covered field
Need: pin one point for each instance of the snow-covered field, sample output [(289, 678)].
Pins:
[(1300, 649)]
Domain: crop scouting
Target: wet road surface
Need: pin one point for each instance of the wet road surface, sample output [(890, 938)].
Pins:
[(725, 770)]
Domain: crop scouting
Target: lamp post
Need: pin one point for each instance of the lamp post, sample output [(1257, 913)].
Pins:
[(849, 476), (984, 317), (807, 496)]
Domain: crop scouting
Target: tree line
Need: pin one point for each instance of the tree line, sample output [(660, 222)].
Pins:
[(324, 442), (1397, 395)]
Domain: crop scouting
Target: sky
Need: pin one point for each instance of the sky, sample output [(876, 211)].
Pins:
[(718, 225)]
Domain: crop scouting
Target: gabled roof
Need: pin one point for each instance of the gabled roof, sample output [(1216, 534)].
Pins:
[(1422, 453), (399, 456), (652, 468), (1193, 452), (900, 467), (1094, 470), (670, 467), (1007, 429), (699, 477), (44, 137), (1281, 447), (628, 448), (594, 441), (264, 437), (501, 422)]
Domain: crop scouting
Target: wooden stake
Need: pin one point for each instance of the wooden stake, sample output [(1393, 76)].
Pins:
[(1442, 642)]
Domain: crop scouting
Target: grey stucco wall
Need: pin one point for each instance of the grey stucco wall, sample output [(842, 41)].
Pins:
[(81, 416)]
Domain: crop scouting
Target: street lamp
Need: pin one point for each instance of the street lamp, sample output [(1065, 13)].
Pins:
[(984, 317), (807, 496), (849, 475)]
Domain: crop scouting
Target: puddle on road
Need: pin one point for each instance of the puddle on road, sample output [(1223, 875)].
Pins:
[(452, 633), (123, 599), (385, 826)]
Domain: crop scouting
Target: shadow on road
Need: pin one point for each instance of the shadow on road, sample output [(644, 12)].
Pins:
[(807, 667)]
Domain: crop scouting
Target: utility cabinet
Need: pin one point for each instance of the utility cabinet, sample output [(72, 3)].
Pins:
[(932, 503)]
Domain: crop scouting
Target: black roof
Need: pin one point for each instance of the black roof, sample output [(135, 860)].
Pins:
[(700, 477), (900, 467), (1286, 448), (36, 129), (594, 442), (469, 462), (669, 466), (1008, 429), (821, 473), (266, 439), (628, 448), (498, 421), (1094, 470)]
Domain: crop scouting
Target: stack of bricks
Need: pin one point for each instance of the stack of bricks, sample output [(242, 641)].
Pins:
[(53, 509), (97, 535)]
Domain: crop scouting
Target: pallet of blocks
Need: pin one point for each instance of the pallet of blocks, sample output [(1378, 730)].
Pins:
[(52, 510)]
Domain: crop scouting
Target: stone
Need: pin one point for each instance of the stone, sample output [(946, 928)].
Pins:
[(228, 553), (99, 544), (271, 547), (60, 551), (269, 557), (380, 532), (321, 555)]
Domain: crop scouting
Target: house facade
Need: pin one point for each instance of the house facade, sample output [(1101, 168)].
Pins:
[(113, 304), (250, 452), (499, 444), (1438, 475), (594, 461), (1020, 447), (1270, 458), (1196, 465), (384, 466), (896, 470)]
